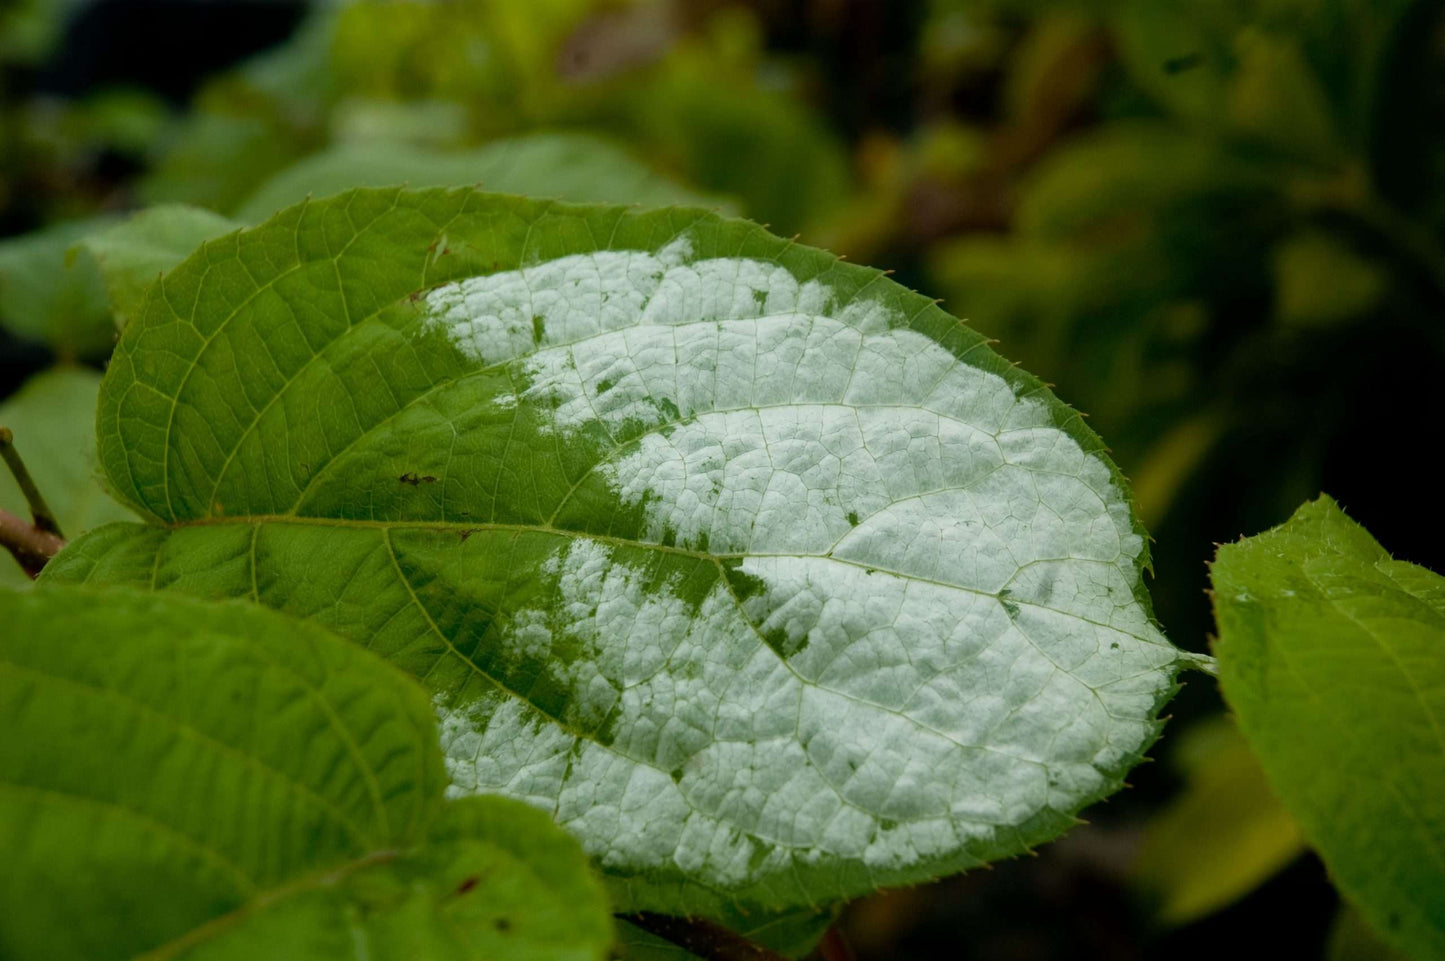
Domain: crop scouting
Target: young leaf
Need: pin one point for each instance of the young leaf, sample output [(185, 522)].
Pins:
[(573, 167), (53, 419), (1332, 656), (763, 573), (189, 780)]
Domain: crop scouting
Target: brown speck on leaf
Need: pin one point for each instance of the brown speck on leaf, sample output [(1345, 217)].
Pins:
[(504, 925), (467, 884)]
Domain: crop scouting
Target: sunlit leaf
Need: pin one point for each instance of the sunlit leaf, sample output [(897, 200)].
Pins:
[(1332, 657), (762, 572), (189, 780)]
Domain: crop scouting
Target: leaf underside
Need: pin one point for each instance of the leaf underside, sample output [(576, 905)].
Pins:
[(1332, 656), (761, 573), (180, 779)]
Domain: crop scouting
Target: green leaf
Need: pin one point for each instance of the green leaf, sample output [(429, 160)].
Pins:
[(762, 572), (134, 253), (52, 297), (192, 780), (571, 167), (53, 419), (1222, 837), (1332, 656)]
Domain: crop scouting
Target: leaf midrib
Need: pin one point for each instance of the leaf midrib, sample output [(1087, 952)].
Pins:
[(387, 526), (460, 527)]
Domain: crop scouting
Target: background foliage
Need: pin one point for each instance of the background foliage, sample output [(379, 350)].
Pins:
[(1215, 226)]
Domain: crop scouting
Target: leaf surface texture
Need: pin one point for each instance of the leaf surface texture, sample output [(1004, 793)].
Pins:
[(761, 573)]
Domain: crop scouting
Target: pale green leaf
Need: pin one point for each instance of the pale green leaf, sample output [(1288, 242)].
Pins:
[(132, 254), (1332, 656), (180, 779), (1222, 837), (53, 419), (573, 167), (761, 572), (52, 296)]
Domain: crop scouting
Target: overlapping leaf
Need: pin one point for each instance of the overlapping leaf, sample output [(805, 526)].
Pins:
[(760, 572), (189, 780)]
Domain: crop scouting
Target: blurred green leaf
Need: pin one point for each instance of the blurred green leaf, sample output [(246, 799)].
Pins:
[(53, 297), (1320, 281), (572, 167), (29, 29), (448, 75), (1180, 53), (220, 155), (728, 136), (133, 253), (1332, 657), (500, 57), (1128, 176), (1222, 837), (219, 781), (53, 419), (1277, 99)]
